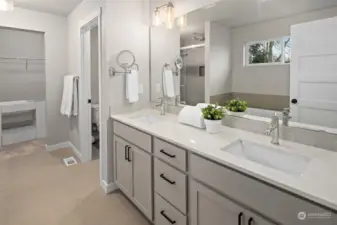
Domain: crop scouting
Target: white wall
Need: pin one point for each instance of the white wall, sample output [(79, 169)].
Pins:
[(133, 34), (125, 25), (270, 80), (55, 29), (18, 80), (218, 60)]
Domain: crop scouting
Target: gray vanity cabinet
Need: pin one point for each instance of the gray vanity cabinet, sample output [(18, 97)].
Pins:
[(190, 189), (133, 173), (209, 207)]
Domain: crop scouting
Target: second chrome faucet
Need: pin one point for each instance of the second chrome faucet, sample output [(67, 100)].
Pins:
[(274, 130)]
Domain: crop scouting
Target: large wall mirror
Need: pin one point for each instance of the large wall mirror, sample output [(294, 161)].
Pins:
[(274, 55)]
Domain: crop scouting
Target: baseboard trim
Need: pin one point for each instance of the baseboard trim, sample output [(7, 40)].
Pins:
[(67, 144), (75, 150), (51, 148), (108, 188)]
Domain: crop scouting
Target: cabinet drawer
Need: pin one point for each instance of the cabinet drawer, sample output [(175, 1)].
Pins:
[(170, 153), (132, 135), (267, 200), (165, 214), (171, 184)]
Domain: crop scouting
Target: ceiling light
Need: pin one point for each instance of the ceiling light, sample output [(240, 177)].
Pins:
[(6, 5), (169, 16)]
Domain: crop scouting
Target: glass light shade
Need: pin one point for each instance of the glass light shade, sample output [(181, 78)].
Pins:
[(182, 21), (156, 18), (169, 16), (6, 5)]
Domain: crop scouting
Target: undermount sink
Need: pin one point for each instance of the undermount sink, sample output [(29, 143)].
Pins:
[(287, 162), (150, 119)]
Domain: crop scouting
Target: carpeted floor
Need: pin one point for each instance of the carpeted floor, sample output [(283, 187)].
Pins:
[(37, 189)]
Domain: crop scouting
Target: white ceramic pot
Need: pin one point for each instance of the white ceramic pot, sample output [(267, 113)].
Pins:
[(213, 126), (238, 114)]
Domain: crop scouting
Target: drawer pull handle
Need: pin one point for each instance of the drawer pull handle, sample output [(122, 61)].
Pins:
[(168, 218), (250, 221), (240, 218), (126, 153), (166, 179), (167, 154), (129, 159)]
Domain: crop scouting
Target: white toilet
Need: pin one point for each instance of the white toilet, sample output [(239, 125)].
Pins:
[(95, 120)]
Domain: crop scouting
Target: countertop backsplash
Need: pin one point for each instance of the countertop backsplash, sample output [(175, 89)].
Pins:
[(317, 139)]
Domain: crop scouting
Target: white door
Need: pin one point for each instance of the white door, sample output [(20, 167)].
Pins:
[(85, 95), (313, 77)]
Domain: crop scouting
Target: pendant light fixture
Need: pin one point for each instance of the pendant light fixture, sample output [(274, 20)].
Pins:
[(157, 18), (168, 18), (6, 5)]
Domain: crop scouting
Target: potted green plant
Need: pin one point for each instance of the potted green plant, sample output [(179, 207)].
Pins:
[(213, 114), (236, 107)]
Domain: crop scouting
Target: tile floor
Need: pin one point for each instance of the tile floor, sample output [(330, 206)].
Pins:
[(36, 188)]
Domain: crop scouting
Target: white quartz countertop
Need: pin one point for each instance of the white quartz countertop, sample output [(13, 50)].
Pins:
[(318, 183)]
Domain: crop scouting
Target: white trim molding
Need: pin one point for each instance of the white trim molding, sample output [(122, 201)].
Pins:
[(76, 151), (51, 148), (92, 20), (108, 188), (67, 144)]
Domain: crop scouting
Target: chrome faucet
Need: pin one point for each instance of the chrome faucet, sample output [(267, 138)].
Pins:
[(162, 105), (177, 100), (286, 116), (274, 130)]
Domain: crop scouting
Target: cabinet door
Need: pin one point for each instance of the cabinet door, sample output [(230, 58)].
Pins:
[(123, 168), (142, 181), (208, 207)]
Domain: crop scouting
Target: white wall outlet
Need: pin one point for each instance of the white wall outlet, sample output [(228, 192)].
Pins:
[(140, 89), (158, 88)]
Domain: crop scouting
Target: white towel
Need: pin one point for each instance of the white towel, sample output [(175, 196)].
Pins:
[(132, 86), (69, 104), (168, 84)]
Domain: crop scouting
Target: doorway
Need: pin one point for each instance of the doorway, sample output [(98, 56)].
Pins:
[(89, 94), (23, 86)]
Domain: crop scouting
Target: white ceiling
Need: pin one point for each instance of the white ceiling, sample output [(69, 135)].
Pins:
[(234, 13), (58, 7)]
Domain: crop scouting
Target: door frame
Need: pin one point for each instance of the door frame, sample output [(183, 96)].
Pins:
[(93, 20)]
